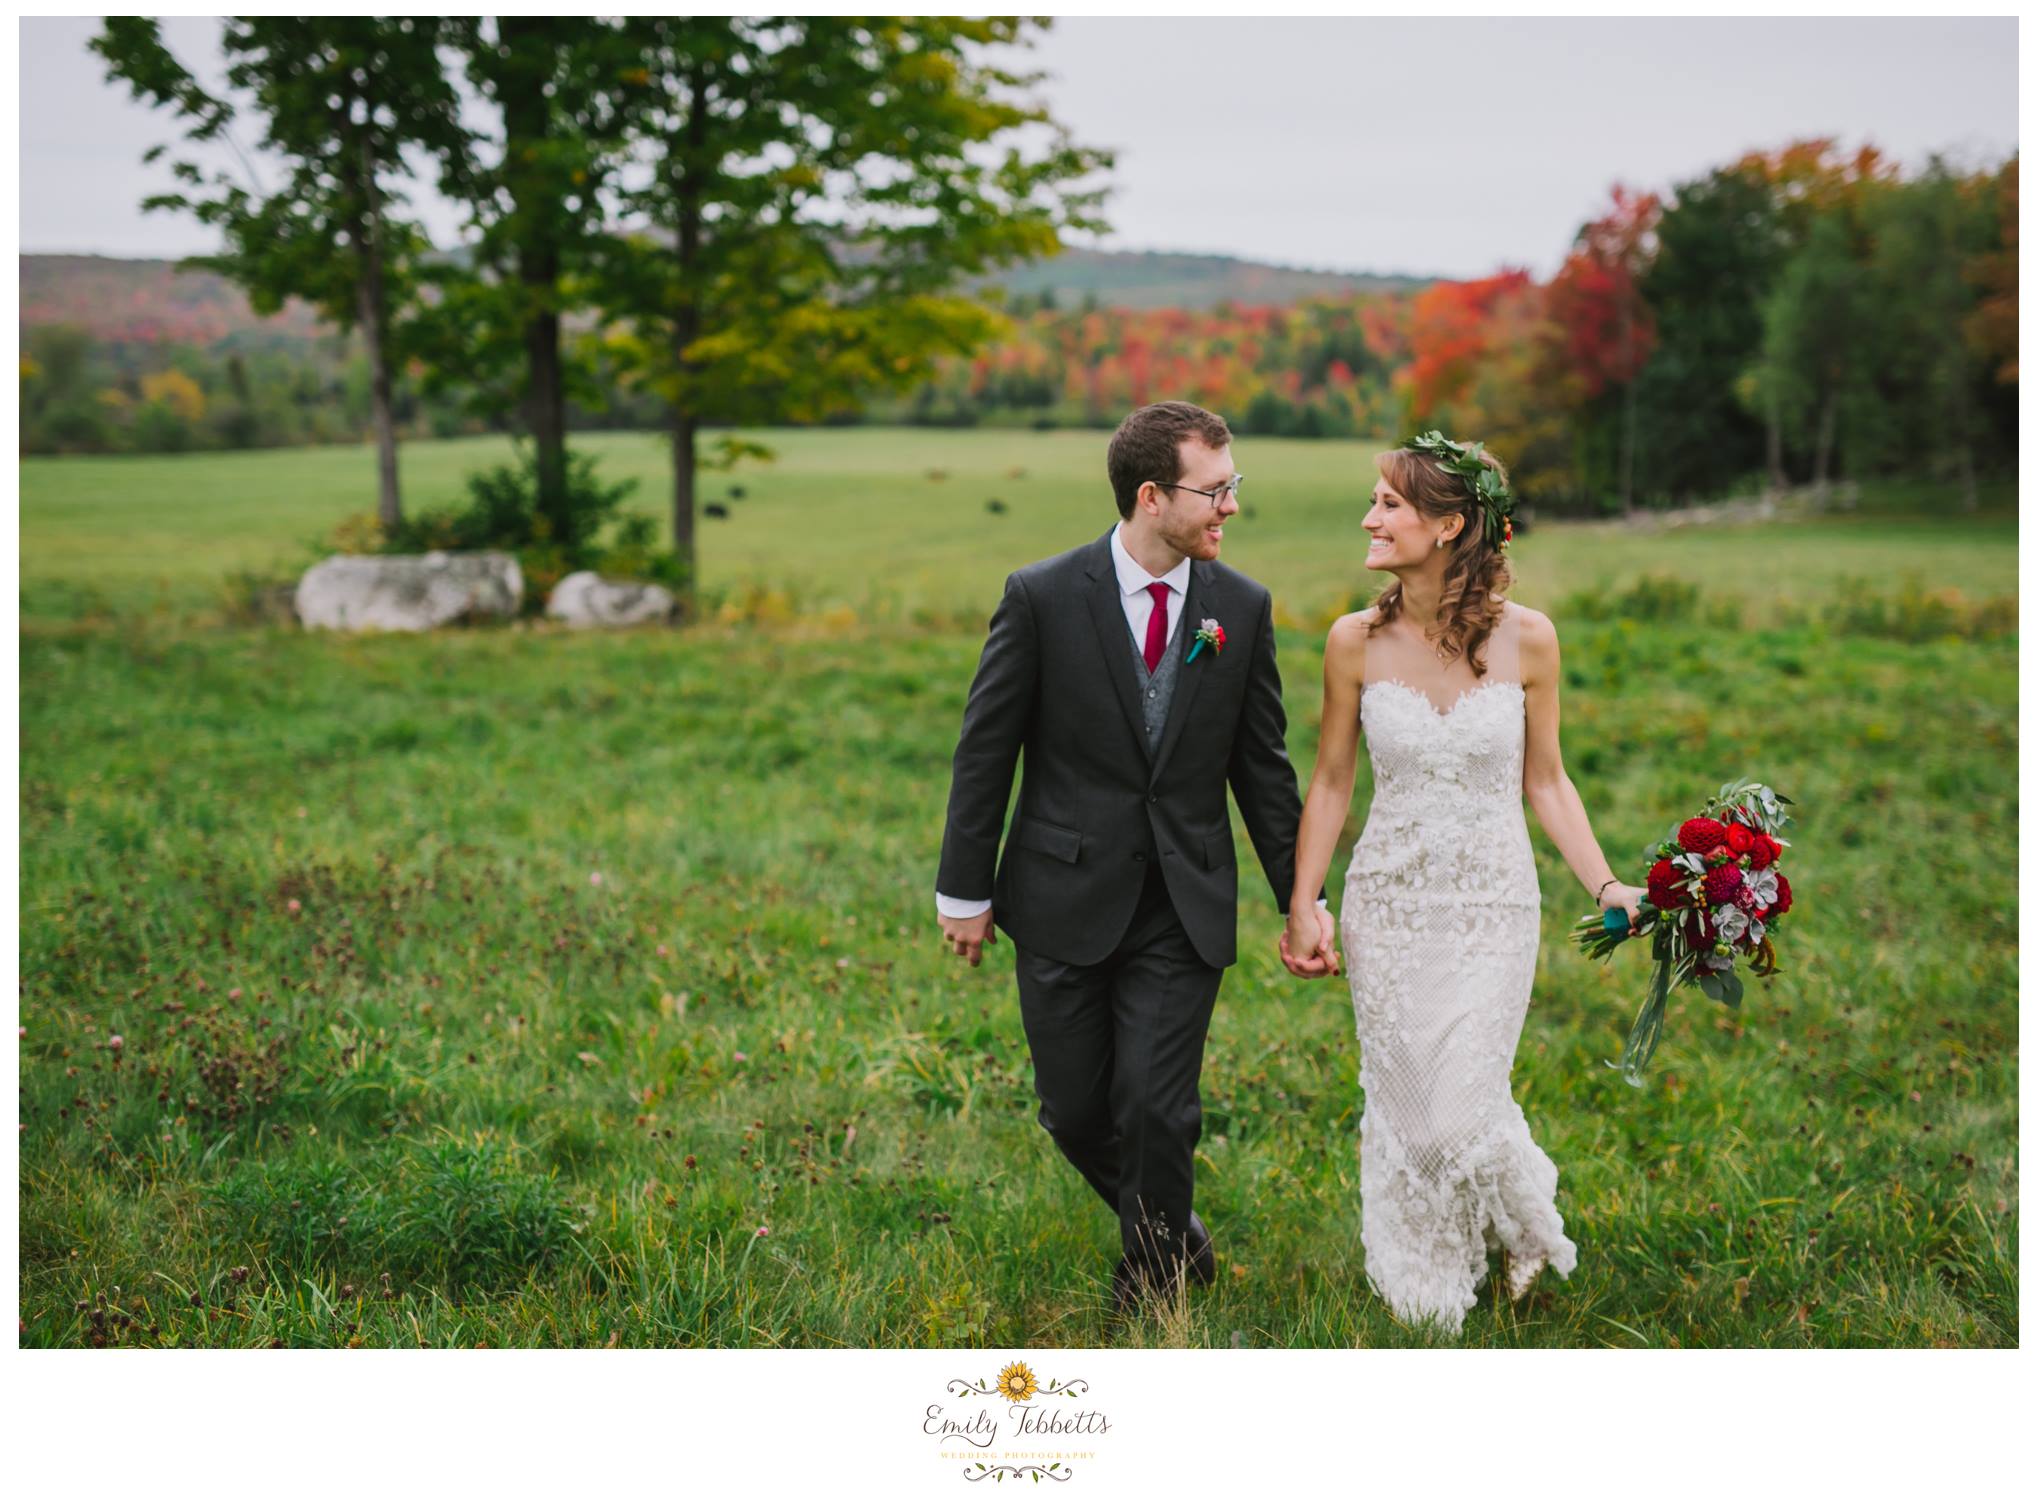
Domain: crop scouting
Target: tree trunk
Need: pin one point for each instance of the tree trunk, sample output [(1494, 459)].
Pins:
[(684, 427), (374, 311), (1822, 462), (686, 329), (1627, 452), (545, 403), (1775, 422), (527, 125)]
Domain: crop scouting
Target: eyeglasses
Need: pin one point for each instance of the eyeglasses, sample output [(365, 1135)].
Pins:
[(1229, 488)]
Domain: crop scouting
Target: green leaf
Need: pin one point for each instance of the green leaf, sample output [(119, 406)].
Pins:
[(1730, 988)]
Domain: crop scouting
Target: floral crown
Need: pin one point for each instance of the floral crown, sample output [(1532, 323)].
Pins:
[(1487, 486)]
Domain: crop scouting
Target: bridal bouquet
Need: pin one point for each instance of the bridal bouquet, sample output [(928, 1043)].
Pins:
[(1715, 894)]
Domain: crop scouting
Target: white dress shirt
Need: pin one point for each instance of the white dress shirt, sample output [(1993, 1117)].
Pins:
[(1133, 580)]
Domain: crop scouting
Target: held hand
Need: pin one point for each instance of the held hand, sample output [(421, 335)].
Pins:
[(968, 938), (1315, 932)]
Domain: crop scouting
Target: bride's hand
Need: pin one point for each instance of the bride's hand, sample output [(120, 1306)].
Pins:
[(1626, 897)]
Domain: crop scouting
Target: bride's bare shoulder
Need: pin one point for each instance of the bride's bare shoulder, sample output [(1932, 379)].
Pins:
[(1533, 623), (1537, 637), (1345, 646)]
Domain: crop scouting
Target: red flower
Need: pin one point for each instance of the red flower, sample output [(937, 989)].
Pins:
[(1666, 885), (1700, 835), (1698, 934), (1739, 839), (1782, 896), (1721, 884), (1762, 852)]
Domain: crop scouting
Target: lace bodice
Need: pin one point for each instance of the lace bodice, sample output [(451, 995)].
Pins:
[(1446, 812)]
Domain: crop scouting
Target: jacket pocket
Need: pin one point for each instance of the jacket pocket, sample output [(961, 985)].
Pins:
[(1218, 850), (1045, 837)]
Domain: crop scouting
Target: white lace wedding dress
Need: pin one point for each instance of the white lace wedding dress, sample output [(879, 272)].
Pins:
[(1440, 925)]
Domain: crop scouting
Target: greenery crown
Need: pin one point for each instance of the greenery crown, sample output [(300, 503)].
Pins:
[(1487, 486)]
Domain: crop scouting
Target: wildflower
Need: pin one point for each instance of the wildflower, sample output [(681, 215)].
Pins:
[(741, 1056), (764, 1230)]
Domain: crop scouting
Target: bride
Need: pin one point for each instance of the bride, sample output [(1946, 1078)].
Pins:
[(1456, 690)]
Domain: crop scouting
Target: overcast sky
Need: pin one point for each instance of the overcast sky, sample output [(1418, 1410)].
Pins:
[(1447, 147)]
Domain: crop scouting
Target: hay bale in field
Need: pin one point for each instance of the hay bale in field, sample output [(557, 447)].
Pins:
[(587, 599), (408, 592)]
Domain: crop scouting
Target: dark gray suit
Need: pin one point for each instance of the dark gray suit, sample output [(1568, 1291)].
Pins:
[(1119, 882)]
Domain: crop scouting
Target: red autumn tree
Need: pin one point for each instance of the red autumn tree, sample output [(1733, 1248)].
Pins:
[(1604, 330)]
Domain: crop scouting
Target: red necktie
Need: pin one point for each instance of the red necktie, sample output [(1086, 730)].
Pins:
[(1157, 626)]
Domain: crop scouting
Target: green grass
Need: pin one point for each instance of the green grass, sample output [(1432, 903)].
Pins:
[(396, 1068), (895, 523)]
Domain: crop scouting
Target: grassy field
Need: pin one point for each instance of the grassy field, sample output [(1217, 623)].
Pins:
[(509, 986)]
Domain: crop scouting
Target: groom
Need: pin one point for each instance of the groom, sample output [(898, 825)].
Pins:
[(1119, 882)]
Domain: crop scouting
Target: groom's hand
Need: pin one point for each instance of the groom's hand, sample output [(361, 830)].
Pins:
[(968, 937)]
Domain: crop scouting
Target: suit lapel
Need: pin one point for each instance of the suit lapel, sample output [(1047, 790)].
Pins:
[(1189, 678), (1108, 612)]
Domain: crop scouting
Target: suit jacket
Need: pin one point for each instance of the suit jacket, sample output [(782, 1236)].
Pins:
[(1057, 684)]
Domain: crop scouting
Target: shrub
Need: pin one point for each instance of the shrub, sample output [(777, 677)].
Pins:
[(1648, 597), (1913, 613)]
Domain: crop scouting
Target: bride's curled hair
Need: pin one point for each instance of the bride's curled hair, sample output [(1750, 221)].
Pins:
[(1478, 574)]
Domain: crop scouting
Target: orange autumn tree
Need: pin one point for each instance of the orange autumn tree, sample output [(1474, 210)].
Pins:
[(1486, 362)]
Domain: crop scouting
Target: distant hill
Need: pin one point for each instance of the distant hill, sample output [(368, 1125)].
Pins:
[(1192, 281), (151, 300)]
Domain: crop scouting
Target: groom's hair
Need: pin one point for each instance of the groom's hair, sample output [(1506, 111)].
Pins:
[(1148, 446)]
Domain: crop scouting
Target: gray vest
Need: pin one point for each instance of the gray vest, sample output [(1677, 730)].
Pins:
[(1157, 691)]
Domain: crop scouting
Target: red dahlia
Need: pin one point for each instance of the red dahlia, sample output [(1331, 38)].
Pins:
[(1782, 897), (1762, 852), (1666, 885), (1721, 884), (1699, 935), (1701, 835)]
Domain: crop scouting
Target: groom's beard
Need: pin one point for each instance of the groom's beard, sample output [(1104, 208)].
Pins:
[(1187, 533)]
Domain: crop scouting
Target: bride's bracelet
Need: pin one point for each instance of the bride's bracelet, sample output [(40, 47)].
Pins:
[(1602, 890)]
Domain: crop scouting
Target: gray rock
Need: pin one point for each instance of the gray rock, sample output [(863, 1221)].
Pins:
[(408, 592), (587, 599)]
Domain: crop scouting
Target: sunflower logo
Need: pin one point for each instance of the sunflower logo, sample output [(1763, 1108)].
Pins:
[(1017, 1383)]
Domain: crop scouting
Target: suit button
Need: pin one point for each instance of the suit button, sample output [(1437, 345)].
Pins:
[(1153, 798), (1139, 858)]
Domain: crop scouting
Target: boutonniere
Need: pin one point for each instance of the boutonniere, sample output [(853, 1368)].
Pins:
[(1210, 634)]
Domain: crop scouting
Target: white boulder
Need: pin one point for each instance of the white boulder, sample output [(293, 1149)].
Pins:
[(408, 592), (587, 599)]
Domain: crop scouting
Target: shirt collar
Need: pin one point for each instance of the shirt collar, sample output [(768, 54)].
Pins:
[(1132, 575)]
